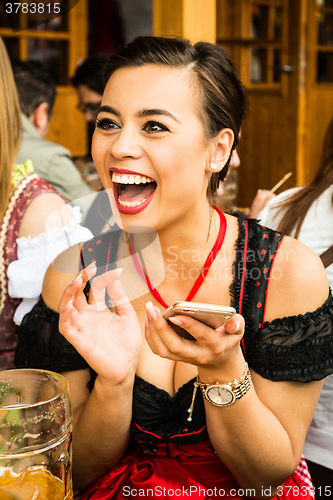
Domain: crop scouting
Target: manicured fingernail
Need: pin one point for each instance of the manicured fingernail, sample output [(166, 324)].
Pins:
[(151, 311), (77, 279), (237, 325), (68, 305), (176, 321), (92, 265), (117, 271)]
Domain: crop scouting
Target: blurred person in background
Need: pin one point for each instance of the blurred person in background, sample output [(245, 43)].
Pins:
[(52, 162), (89, 83), (306, 213), (35, 222), (226, 194)]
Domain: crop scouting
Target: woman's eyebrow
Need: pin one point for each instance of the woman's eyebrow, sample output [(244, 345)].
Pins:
[(156, 111), (140, 114), (108, 109)]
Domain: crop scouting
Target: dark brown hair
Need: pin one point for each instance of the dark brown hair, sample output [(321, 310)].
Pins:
[(34, 84), (296, 207), (223, 97)]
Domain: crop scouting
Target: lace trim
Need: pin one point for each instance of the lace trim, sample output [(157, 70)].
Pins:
[(4, 228), (294, 323), (52, 234), (173, 411), (234, 289), (303, 362), (20, 171), (161, 395), (249, 285)]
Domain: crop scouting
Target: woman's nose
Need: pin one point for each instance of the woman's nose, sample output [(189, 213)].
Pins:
[(125, 145)]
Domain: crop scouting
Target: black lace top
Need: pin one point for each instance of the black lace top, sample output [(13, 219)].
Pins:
[(297, 348)]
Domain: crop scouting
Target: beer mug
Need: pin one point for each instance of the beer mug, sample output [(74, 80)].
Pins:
[(35, 435), (5, 495)]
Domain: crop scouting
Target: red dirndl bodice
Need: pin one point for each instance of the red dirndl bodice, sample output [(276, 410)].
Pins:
[(27, 189)]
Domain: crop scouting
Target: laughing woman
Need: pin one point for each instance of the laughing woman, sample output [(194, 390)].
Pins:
[(150, 424)]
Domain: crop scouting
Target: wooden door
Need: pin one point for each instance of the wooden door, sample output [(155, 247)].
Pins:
[(319, 82), (60, 43), (263, 36), (284, 53)]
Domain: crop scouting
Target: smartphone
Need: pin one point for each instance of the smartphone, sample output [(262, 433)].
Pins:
[(209, 314)]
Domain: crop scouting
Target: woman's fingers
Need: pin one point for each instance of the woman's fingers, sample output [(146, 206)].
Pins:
[(68, 326), (99, 286), (71, 326), (162, 339), (109, 281), (153, 337), (74, 291), (235, 325), (209, 345), (119, 298)]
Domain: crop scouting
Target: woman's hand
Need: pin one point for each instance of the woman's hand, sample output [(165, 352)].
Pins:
[(260, 201), (213, 349), (109, 342)]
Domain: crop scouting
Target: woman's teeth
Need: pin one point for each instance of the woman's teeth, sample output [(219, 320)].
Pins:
[(131, 204), (130, 179)]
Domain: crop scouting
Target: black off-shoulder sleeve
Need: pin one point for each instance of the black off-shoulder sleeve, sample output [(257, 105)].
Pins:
[(296, 348), (41, 345)]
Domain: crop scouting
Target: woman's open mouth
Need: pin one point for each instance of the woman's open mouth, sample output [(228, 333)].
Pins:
[(133, 192)]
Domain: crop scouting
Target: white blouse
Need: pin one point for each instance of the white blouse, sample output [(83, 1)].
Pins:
[(317, 233), (34, 255)]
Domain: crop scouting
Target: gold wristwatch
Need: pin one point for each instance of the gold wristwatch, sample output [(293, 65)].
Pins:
[(226, 393)]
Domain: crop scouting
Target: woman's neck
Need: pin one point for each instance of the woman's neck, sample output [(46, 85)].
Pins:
[(186, 244)]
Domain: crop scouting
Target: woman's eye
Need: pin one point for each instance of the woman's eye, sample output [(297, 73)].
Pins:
[(153, 127), (106, 124)]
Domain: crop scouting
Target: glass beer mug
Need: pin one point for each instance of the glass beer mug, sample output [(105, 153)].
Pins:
[(35, 435)]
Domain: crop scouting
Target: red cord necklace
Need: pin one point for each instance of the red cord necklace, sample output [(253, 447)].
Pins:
[(198, 282)]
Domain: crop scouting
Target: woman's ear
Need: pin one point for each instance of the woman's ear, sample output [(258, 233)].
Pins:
[(221, 150), (40, 119)]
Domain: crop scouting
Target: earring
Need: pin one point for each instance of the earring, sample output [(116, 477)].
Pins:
[(213, 166)]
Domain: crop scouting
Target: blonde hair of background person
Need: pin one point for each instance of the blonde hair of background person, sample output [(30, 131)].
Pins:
[(29, 239), (171, 113), (10, 126)]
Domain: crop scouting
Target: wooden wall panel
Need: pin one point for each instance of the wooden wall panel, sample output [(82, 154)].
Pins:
[(68, 126), (268, 148), (192, 19)]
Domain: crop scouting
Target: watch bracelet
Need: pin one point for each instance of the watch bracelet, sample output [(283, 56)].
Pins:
[(244, 387), (239, 386)]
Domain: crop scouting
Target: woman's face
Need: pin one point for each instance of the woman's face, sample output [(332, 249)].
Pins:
[(149, 145)]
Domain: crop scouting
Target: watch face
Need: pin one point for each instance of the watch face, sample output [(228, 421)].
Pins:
[(220, 395)]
